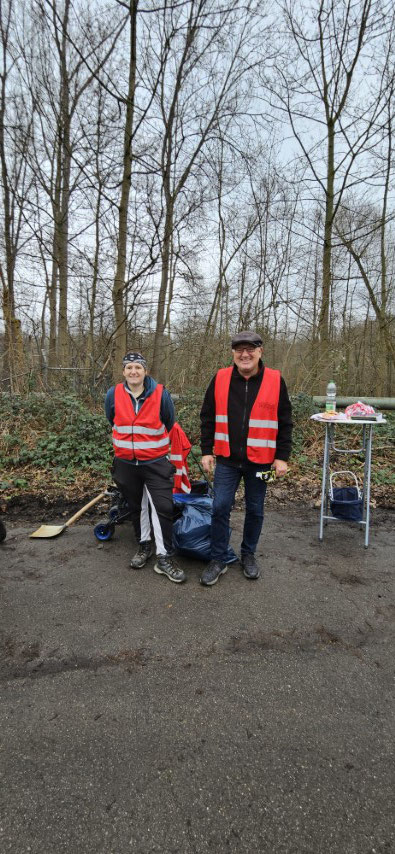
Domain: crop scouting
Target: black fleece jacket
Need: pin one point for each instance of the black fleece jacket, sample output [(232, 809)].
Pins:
[(242, 395)]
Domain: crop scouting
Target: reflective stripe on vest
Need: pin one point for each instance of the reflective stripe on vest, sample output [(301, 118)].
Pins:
[(263, 423), (132, 437), (133, 428), (179, 450), (181, 479)]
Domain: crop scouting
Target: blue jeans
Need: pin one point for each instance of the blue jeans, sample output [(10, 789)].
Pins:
[(226, 481)]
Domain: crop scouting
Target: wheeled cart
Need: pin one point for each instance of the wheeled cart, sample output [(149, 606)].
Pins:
[(365, 450)]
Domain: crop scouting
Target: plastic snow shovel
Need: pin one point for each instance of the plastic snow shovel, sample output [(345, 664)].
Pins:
[(55, 530)]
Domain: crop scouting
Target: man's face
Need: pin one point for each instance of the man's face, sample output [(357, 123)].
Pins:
[(134, 374), (246, 358)]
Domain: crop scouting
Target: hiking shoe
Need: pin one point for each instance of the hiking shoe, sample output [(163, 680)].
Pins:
[(143, 554), (165, 566), (212, 573), (250, 567)]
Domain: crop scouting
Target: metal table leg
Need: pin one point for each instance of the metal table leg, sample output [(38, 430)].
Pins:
[(324, 490), (366, 450), (366, 480)]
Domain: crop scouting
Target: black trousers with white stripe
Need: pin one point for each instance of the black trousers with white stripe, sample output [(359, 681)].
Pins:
[(157, 478)]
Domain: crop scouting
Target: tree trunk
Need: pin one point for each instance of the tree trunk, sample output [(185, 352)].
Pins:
[(63, 247), (323, 323), (90, 350), (158, 366), (385, 333), (62, 222), (118, 292), (12, 326), (53, 287)]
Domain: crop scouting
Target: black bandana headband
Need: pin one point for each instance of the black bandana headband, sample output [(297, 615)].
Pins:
[(134, 357)]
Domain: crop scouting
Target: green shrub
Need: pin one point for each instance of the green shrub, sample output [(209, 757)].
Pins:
[(59, 431), (303, 407), (61, 434), (188, 409)]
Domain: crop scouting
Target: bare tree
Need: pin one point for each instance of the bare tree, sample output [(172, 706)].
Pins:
[(204, 57), (366, 228), (319, 89), (15, 137), (81, 48), (119, 279)]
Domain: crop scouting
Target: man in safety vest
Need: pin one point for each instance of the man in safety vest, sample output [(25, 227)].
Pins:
[(141, 413), (246, 419)]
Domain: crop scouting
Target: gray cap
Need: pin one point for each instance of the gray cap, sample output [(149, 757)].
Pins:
[(247, 337)]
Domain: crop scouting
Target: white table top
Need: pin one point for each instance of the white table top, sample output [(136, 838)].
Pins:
[(323, 420)]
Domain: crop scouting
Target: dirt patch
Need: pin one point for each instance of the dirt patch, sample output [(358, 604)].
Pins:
[(47, 509), (50, 507)]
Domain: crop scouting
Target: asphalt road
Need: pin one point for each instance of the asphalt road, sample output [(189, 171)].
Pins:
[(137, 715)]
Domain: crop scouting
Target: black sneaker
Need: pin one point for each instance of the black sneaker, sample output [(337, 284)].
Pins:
[(250, 567), (212, 573), (143, 554), (165, 566)]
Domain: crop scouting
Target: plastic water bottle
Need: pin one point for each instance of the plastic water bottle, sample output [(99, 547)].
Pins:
[(330, 403)]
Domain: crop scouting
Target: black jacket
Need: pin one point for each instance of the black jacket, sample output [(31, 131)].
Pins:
[(242, 395)]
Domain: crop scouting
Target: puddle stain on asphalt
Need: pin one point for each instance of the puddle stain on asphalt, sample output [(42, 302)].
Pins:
[(318, 639), (25, 662)]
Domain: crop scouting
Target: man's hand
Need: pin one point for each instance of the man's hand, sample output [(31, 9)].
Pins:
[(208, 463), (280, 467)]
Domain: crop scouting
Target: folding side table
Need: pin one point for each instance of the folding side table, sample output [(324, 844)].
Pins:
[(365, 450)]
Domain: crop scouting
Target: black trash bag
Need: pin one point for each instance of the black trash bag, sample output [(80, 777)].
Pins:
[(200, 487), (191, 531)]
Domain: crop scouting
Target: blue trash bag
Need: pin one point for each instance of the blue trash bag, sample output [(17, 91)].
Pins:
[(192, 529)]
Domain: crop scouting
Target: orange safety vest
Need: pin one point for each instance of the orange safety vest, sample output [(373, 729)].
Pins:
[(142, 436), (263, 423)]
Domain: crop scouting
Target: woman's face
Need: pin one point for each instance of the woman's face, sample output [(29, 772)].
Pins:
[(134, 374)]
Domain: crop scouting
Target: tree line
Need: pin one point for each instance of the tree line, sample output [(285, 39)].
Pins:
[(174, 170)]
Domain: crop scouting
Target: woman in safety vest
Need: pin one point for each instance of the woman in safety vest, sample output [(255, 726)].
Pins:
[(141, 413)]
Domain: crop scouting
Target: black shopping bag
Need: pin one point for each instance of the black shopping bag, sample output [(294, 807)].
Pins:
[(346, 502)]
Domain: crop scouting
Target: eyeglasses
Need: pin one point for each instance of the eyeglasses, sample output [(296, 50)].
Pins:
[(240, 349)]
